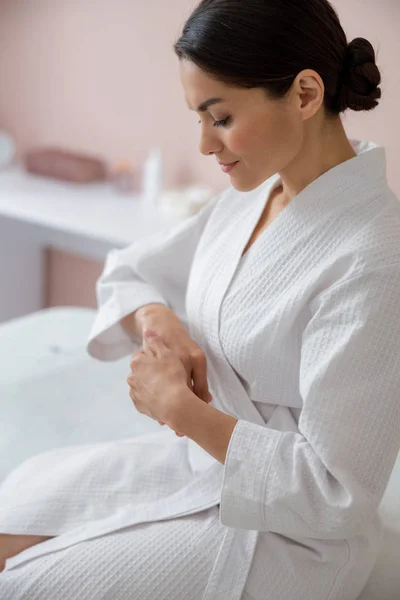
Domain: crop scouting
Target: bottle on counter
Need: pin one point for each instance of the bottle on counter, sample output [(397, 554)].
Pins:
[(7, 149), (123, 177), (152, 181)]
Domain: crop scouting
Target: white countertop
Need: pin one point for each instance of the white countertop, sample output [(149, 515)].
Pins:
[(91, 211)]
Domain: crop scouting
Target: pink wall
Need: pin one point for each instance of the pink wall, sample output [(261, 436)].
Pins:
[(101, 77), (71, 280)]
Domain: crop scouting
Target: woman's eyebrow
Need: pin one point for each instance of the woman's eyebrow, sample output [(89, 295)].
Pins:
[(204, 105)]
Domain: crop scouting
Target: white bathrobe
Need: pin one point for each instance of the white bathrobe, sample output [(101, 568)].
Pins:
[(302, 339)]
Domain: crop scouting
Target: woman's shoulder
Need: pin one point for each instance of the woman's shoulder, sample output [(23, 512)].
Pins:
[(377, 239), (360, 246)]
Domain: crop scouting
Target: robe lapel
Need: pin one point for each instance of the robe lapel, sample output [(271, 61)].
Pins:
[(229, 392)]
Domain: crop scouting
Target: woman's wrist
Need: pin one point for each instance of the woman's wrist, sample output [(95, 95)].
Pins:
[(207, 426), (184, 403), (135, 322), (146, 315)]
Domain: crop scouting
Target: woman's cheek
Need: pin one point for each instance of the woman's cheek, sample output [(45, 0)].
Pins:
[(237, 143), (245, 140)]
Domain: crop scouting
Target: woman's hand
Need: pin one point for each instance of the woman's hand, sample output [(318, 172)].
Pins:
[(158, 380), (169, 328)]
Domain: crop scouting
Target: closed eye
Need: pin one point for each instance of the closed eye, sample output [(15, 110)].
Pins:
[(222, 123)]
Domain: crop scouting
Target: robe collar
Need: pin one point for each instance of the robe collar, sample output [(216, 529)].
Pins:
[(359, 174)]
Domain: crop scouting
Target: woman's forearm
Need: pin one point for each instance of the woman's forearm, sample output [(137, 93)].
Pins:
[(207, 426)]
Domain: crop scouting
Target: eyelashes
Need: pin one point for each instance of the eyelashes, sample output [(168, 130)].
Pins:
[(222, 123)]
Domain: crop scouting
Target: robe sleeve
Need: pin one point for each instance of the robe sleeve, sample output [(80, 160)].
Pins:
[(151, 270), (326, 480)]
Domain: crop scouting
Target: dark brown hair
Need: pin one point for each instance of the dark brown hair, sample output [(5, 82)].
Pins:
[(266, 43)]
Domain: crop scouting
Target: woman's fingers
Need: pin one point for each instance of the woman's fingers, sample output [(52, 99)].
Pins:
[(135, 356), (154, 343), (176, 433)]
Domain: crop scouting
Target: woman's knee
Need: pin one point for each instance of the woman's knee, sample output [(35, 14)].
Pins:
[(11, 545)]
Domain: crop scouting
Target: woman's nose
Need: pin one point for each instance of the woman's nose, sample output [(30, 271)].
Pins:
[(209, 144)]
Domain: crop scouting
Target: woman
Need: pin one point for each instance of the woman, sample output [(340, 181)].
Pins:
[(280, 302)]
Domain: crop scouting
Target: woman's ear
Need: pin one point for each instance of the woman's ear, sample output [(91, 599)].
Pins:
[(309, 90)]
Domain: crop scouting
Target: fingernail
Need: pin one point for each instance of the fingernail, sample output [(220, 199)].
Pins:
[(149, 332)]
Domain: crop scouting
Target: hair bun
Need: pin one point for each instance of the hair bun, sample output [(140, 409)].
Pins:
[(360, 78)]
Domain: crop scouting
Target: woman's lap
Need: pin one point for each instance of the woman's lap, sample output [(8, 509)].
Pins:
[(153, 561)]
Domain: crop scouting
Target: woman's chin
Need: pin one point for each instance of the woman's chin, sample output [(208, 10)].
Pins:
[(243, 186)]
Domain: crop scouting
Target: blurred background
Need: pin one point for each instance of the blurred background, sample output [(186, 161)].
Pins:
[(99, 77)]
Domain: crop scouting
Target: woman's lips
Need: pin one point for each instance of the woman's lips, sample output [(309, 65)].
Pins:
[(228, 168)]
